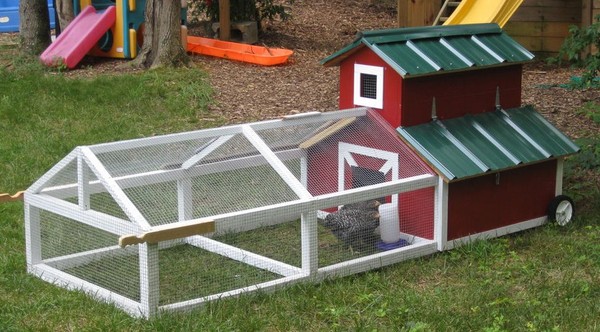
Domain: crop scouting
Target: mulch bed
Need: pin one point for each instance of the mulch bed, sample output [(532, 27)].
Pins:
[(245, 92)]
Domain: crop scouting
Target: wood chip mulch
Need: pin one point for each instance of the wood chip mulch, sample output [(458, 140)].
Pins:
[(245, 92)]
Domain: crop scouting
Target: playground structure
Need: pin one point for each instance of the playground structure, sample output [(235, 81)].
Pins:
[(101, 28), (115, 29), (539, 25), (123, 38), (79, 37), (478, 11)]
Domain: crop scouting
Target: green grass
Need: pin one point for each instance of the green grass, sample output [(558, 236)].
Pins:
[(44, 115), (543, 279)]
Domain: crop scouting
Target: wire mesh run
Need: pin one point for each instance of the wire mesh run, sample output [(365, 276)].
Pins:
[(171, 222)]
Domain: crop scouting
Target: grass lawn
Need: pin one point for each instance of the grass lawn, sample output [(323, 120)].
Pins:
[(545, 279)]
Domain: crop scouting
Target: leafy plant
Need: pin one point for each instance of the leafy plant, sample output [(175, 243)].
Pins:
[(576, 47), (241, 10), (592, 111)]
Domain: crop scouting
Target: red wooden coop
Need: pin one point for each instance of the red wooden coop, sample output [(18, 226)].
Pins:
[(454, 95)]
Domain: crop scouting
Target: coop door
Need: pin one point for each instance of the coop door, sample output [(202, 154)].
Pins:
[(366, 166), (362, 176)]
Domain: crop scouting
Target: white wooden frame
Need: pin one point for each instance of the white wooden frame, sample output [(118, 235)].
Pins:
[(44, 196), (359, 100), (345, 151)]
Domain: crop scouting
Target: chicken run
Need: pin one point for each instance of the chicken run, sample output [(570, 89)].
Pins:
[(170, 222)]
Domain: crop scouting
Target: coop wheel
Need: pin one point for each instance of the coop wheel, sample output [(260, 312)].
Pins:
[(561, 210)]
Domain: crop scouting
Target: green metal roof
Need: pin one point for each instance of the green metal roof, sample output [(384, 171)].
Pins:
[(487, 142), (436, 49)]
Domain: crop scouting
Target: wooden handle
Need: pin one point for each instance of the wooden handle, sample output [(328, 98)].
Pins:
[(169, 232), (11, 198)]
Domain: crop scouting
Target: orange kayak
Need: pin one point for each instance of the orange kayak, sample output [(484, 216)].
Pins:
[(259, 55)]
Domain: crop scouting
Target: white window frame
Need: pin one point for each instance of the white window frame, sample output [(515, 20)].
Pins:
[(345, 151), (371, 70)]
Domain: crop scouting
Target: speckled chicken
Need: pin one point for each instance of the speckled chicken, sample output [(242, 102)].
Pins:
[(370, 205), (354, 225)]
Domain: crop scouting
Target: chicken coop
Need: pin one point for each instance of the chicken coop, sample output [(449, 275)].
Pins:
[(171, 222), (453, 94)]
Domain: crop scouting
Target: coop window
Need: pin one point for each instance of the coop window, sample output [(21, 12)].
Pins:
[(368, 86), (362, 176)]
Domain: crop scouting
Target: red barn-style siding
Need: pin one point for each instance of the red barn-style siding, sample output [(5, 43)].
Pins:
[(458, 94), (479, 204), (392, 84), (415, 208), (408, 102)]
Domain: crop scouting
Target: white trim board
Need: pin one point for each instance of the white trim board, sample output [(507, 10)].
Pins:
[(359, 100), (496, 232)]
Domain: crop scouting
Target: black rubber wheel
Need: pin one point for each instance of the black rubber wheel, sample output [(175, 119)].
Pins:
[(561, 210)]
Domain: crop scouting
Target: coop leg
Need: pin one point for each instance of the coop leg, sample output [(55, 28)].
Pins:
[(310, 255), (441, 214), (184, 199), (33, 239), (149, 278)]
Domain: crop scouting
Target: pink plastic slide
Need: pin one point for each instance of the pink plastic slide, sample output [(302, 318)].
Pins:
[(79, 37)]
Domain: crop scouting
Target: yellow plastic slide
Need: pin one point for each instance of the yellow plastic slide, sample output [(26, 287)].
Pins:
[(483, 11)]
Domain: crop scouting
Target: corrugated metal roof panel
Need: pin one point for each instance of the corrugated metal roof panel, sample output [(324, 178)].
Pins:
[(443, 56), (427, 50), (509, 138), (479, 56), (493, 141), (475, 139), (439, 151), (507, 47), (407, 59), (545, 134)]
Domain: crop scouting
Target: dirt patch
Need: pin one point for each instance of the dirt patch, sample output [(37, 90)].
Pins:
[(316, 29)]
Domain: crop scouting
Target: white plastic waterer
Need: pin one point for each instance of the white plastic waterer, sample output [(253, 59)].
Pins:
[(389, 227), (389, 223)]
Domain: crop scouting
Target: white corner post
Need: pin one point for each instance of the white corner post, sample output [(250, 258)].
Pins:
[(83, 179), (310, 242), (308, 228), (149, 279), (440, 218), (304, 170), (33, 237), (184, 199), (559, 176)]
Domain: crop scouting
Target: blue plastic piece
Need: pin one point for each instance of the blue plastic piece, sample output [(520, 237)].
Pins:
[(9, 15), (389, 246)]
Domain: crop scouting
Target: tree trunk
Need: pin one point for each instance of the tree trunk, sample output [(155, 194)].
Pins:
[(34, 26), (162, 36), (64, 9)]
